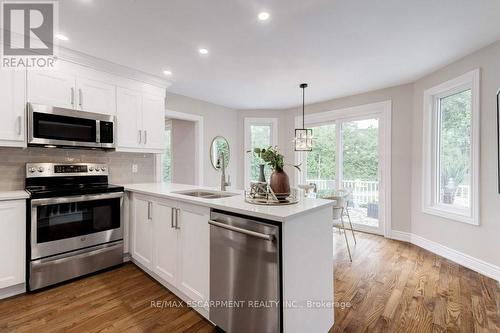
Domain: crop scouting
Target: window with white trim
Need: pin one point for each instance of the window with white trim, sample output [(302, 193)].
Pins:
[(259, 133), (451, 149)]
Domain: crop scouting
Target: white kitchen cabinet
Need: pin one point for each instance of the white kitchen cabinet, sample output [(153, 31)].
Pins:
[(95, 96), (12, 242), (73, 87), (153, 121), (12, 106), (165, 241), (51, 87), (194, 235), (140, 121), (178, 238), (129, 118), (142, 231)]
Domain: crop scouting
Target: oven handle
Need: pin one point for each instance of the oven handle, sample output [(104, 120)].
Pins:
[(77, 254), (76, 198)]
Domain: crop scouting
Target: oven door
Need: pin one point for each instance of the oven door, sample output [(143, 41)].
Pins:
[(66, 224)]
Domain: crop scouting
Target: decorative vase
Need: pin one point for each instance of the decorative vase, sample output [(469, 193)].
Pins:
[(280, 184), (262, 175)]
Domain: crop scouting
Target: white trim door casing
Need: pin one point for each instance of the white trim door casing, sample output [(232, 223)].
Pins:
[(383, 112), (199, 145), (273, 122)]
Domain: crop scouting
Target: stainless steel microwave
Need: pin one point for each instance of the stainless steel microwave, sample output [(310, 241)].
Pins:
[(50, 126)]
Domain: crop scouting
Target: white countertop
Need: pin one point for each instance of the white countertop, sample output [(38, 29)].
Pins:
[(13, 195), (235, 204)]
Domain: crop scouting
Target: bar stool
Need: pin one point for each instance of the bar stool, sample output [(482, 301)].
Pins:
[(339, 211)]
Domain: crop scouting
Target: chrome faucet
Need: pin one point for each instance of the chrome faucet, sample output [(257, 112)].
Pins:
[(222, 165)]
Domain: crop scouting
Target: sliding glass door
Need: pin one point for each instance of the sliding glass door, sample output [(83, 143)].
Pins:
[(360, 170), (319, 168), (347, 155)]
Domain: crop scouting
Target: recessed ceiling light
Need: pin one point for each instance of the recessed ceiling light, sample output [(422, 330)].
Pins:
[(203, 51), (61, 37), (263, 16), (167, 72)]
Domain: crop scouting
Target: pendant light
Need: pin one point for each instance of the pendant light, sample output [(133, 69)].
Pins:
[(303, 136)]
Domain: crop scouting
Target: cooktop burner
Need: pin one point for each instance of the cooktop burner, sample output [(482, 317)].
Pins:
[(44, 180)]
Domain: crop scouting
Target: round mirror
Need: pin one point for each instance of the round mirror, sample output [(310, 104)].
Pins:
[(219, 150)]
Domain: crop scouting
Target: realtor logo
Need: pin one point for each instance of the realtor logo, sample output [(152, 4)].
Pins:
[(28, 34)]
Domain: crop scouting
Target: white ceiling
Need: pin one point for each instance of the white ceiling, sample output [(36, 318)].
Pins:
[(340, 47)]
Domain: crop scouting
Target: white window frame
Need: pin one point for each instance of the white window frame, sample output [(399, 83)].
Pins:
[(273, 122), (431, 149)]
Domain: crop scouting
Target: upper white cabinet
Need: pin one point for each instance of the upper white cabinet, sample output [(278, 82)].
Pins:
[(51, 87), (141, 121), (139, 107), (12, 242), (153, 121), (12, 106), (95, 96), (74, 87), (129, 118)]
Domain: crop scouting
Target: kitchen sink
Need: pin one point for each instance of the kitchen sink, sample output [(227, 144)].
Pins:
[(206, 194)]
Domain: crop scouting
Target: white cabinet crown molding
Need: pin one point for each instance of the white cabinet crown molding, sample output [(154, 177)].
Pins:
[(87, 60)]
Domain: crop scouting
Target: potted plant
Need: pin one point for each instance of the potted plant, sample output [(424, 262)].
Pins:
[(279, 181)]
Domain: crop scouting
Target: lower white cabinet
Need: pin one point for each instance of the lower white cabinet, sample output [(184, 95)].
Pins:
[(171, 239), (142, 231), (165, 241), (12, 242), (193, 252)]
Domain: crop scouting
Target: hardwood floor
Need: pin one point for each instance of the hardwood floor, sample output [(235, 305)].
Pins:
[(394, 286), (114, 301), (391, 286)]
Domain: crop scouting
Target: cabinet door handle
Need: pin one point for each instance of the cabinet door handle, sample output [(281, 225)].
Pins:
[(19, 124), (140, 136), (177, 210), (149, 210), (145, 137), (80, 97), (172, 218), (72, 97)]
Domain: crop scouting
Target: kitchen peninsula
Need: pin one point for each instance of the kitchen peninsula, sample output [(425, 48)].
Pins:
[(183, 236)]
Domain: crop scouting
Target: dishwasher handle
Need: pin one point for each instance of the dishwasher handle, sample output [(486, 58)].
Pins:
[(242, 231)]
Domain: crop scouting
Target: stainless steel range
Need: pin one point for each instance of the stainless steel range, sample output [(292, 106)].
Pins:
[(74, 222)]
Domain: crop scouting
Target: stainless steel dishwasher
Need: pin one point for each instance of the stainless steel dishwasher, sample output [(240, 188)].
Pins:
[(244, 274)]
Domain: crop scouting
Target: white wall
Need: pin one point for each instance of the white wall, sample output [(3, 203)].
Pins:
[(183, 152), (483, 241), (217, 120)]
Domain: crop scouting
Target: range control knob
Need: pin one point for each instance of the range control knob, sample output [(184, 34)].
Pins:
[(32, 170), (40, 169), (91, 168), (103, 169)]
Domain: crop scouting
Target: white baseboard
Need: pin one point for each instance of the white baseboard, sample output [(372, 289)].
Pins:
[(463, 259), (458, 257), (400, 235), (13, 290)]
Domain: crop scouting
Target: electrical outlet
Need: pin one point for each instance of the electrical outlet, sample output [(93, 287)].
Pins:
[(135, 168)]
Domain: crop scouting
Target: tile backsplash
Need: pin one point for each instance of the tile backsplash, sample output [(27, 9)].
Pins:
[(13, 163)]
